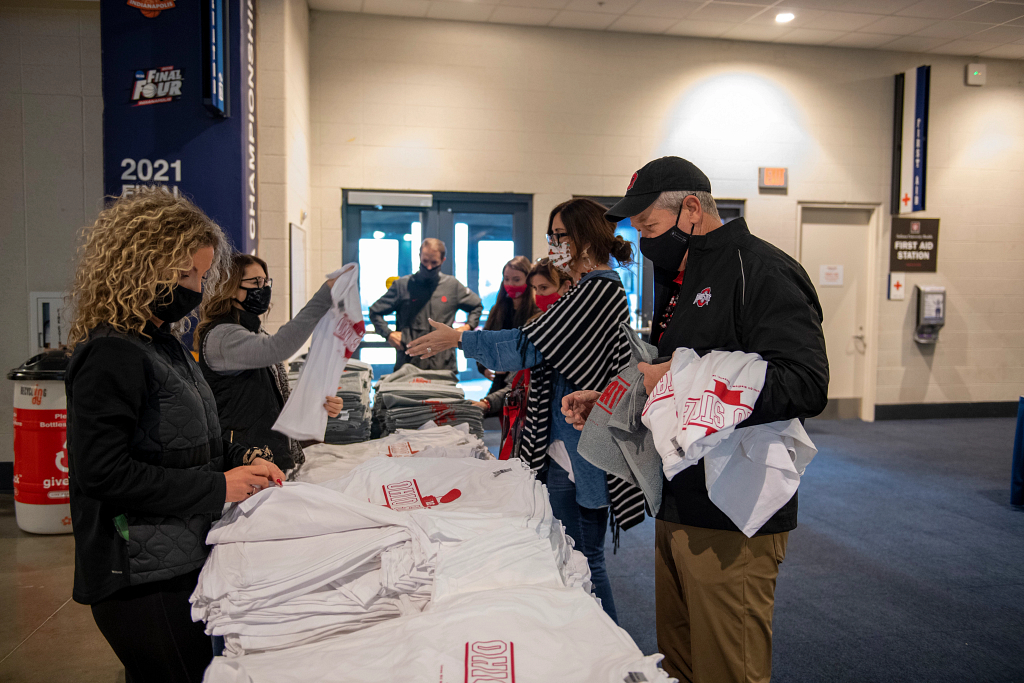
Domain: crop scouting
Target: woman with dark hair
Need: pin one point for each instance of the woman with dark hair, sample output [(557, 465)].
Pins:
[(245, 366), (515, 306), (576, 343), (148, 465)]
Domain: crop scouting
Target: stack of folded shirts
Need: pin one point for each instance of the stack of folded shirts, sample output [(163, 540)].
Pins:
[(525, 633), (410, 398), (353, 424), (294, 368), (326, 461), (300, 563)]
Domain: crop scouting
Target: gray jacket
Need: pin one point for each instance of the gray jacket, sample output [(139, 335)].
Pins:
[(414, 301)]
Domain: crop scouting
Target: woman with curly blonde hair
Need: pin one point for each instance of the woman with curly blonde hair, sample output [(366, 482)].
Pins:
[(148, 466)]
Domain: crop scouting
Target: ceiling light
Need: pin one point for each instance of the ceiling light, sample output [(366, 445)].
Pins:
[(784, 17), (378, 234)]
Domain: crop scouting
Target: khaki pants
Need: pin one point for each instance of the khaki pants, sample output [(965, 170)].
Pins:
[(715, 594)]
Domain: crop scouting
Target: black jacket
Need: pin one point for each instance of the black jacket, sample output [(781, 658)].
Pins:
[(248, 402), (145, 456), (740, 293)]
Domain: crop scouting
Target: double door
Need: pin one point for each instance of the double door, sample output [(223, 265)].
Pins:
[(482, 232)]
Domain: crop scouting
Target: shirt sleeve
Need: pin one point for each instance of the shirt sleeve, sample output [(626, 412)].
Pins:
[(782, 323), (383, 306), (231, 348), (107, 393), (470, 302), (501, 350)]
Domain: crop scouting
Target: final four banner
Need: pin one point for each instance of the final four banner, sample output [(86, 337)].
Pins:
[(910, 140), (179, 105)]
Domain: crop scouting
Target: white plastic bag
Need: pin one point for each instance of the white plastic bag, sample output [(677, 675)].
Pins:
[(335, 339)]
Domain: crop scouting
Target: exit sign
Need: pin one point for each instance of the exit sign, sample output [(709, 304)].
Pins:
[(772, 178)]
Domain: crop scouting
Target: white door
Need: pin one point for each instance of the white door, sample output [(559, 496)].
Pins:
[(834, 251)]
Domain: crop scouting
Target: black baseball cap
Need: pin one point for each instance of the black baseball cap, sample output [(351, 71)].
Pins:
[(667, 174)]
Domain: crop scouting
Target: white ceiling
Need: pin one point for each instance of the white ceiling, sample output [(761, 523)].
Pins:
[(982, 28)]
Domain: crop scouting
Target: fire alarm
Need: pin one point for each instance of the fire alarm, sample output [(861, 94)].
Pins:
[(975, 74)]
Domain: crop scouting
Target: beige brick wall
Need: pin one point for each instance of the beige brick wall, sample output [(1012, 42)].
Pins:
[(284, 139), (51, 164), (412, 104)]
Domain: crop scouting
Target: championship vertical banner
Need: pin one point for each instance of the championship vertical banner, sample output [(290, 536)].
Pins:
[(910, 140), (179, 105)]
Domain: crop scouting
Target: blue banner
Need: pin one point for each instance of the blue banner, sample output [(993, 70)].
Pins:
[(179, 105), (911, 147)]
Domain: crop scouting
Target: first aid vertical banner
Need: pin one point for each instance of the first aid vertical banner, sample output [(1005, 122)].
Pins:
[(910, 146), (179, 105)]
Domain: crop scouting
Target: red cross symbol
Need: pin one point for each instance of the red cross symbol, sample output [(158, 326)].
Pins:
[(897, 286), (906, 198)]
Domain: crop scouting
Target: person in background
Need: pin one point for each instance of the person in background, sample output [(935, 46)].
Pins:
[(515, 305), (576, 344), (548, 284), (718, 287), (417, 298), (148, 466), (245, 366)]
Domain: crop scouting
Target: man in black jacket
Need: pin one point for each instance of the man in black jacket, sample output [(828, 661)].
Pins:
[(720, 288)]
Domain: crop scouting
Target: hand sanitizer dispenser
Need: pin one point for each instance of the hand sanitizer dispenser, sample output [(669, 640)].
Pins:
[(931, 314)]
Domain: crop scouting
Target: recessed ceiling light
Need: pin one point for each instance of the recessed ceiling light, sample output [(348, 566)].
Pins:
[(785, 17)]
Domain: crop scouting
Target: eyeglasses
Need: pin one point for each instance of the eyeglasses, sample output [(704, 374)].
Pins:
[(557, 237), (259, 281)]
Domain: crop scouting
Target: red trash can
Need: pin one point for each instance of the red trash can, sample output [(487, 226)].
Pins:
[(42, 503)]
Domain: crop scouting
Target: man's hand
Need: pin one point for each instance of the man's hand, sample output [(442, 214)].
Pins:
[(489, 374), (577, 406), (441, 339), (653, 374), (333, 406), (395, 339)]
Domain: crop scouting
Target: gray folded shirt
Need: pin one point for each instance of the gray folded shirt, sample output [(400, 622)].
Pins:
[(614, 439)]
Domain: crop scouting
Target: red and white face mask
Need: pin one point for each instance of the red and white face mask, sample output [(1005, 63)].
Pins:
[(559, 256)]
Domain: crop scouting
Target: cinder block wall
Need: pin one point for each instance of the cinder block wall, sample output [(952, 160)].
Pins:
[(415, 104)]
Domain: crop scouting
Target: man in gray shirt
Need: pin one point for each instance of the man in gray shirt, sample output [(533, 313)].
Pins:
[(425, 295)]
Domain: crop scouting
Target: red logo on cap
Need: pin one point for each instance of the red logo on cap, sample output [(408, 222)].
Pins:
[(632, 181)]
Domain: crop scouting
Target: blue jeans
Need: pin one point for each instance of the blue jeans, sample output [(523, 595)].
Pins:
[(586, 527)]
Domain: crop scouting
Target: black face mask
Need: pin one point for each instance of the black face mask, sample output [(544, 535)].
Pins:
[(183, 301), (667, 250), (430, 274), (257, 299)]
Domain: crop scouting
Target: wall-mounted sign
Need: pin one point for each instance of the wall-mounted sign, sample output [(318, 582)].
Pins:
[(772, 178), (158, 68), (830, 276), (897, 286), (910, 140), (914, 245)]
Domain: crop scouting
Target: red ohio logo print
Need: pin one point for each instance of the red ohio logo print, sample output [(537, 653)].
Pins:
[(490, 661), (704, 298), (632, 181), (405, 495)]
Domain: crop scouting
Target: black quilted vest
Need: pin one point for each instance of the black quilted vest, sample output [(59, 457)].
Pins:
[(176, 428), (248, 402)]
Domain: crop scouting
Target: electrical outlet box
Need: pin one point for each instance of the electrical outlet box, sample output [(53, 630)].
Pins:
[(976, 74)]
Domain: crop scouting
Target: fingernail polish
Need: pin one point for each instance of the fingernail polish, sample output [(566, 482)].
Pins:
[(279, 482)]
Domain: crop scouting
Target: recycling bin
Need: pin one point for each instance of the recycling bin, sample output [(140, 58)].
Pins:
[(42, 502)]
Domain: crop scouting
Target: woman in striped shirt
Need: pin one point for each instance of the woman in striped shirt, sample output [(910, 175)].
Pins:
[(576, 344)]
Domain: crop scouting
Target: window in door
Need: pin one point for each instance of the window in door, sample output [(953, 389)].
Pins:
[(481, 232)]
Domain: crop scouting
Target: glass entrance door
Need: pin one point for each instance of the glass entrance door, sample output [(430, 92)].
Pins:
[(388, 247), (482, 233)]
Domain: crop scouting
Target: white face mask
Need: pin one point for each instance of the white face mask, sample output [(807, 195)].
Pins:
[(559, 256)]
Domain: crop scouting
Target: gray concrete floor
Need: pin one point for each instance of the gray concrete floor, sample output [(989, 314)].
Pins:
[(44, 634)]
